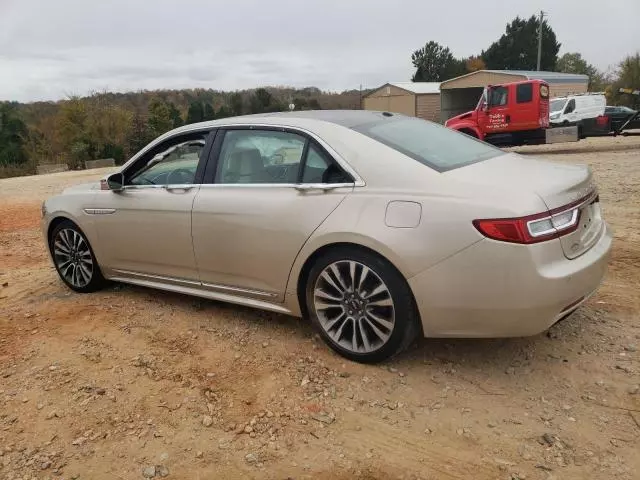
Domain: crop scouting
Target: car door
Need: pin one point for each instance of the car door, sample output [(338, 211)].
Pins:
[(570, 115), (525, 115), (270, 189), (496, 118), (145, 229)]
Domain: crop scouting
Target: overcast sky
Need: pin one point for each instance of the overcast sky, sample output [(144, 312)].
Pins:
[(53, 48)]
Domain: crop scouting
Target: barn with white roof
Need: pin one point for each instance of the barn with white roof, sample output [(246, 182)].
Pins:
[(439, 101), (417, 99)]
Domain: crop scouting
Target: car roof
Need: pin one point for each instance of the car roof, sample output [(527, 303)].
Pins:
[(345, 118)]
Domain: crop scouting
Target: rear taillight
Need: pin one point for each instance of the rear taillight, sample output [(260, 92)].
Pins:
[(534, 228)]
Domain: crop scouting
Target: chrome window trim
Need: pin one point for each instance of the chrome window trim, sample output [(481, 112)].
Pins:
[(297, 186), (358, 181), (171, 186)]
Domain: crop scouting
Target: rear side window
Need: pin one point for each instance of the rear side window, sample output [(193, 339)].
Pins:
[(524, 93), (431, 144)]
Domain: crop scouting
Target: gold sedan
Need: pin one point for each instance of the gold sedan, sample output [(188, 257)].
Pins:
[(377, 226)]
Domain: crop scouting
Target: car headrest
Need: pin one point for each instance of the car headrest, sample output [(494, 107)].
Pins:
[(246, 161)]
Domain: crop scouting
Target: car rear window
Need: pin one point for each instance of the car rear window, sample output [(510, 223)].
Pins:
[(431, 144)]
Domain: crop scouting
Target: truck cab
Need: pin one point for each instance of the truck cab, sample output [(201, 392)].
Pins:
[(508, 114)]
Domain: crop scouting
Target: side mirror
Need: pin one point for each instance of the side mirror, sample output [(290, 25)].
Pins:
[(115, 182), (487, 104)]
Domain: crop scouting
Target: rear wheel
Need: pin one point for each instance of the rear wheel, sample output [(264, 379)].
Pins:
[(361, 305), (74, 259)]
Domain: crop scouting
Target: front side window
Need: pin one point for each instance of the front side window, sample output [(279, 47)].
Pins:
[(431, 144), (571, 106), (174, 164), (499, 96)]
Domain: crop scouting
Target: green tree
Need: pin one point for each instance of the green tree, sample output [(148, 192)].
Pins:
[(302, 103), (628, 77), (160, 120), (262, 101), (517, 48), (236, 104), (195, 113), (209, 112), (176, 118), (139, 135), (574, 63), (435, 63), (73, 124), (13, 132), (224, 112)]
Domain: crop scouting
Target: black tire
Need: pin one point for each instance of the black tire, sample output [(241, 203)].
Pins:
[(96, 280), (406, 321), (469, 133)]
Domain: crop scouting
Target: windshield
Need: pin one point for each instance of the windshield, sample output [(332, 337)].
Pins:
[(557, 105), (431, 144)]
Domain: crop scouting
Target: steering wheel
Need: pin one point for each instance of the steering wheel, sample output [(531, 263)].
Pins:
[(179, 176)]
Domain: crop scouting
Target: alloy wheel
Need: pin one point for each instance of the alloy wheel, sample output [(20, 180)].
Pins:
[(354, 306), (73, 257)]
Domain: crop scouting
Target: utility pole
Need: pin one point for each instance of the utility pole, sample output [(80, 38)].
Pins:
[(540, 39)]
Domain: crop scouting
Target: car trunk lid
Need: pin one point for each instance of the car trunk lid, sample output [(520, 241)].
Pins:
[(558, 186)]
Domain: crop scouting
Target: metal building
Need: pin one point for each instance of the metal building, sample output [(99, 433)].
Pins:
[(417, 99), (461, 94)]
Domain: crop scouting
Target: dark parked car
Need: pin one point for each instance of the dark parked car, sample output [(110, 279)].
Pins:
[(619, 115)]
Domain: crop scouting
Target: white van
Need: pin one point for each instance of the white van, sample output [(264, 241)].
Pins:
[(572, 109)]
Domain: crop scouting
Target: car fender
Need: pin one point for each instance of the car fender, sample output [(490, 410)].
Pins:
[(467, 126), (55, 209)]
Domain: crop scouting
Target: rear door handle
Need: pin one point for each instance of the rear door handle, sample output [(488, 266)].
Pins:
[(184, 188), (305, 187)]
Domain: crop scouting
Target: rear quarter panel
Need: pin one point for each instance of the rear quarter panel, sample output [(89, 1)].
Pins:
[(445, 227)]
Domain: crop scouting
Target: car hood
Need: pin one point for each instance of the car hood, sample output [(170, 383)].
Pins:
[(557, 184), (83, 187), (457, 118)]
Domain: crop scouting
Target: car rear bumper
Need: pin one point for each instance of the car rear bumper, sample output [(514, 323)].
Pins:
[(495, 289)]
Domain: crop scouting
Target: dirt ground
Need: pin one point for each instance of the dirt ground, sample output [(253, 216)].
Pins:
[(130, 382)]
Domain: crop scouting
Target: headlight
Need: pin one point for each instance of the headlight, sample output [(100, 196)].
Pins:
[(553, 116)]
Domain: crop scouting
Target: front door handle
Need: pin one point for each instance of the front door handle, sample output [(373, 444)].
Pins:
[(508, 118)]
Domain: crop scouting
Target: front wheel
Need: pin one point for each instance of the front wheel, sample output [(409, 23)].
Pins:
[(361, 305), (74, 259)]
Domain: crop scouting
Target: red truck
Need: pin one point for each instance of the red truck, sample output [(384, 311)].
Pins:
[(517, 113)]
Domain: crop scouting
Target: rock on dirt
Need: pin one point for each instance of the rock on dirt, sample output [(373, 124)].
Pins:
[(149, 472)]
